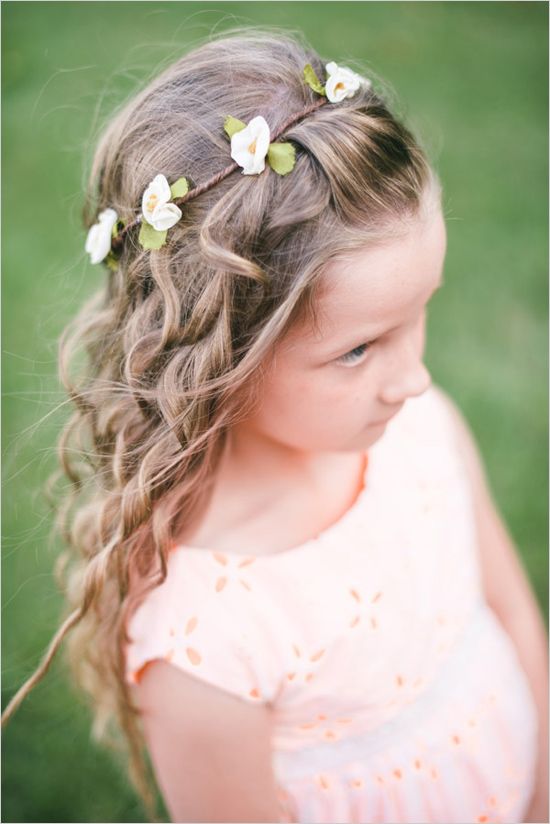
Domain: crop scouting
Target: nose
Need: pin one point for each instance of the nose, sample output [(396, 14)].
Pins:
[(415, 380)]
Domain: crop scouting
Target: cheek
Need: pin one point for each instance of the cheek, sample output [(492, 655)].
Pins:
[(319, 398)]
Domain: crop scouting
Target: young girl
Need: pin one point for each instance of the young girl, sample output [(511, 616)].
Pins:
[(293, 591)]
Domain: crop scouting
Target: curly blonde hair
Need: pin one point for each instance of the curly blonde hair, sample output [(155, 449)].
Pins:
[(179, 339)]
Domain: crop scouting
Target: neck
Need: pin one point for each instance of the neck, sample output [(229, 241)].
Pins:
[(250, 453)]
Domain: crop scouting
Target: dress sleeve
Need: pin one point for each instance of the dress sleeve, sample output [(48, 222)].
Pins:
[(205, 618)]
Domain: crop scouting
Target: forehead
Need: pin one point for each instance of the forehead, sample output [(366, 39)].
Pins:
[(376, 287)]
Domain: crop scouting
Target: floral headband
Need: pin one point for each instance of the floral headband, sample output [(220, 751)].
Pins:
[(251, 145)]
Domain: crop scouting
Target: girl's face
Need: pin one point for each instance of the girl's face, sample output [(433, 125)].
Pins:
[(334, 389)]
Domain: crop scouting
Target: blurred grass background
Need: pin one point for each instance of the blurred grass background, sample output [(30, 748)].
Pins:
[(471, 80)]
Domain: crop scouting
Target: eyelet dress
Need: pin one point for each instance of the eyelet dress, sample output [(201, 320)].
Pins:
[(396, 694)]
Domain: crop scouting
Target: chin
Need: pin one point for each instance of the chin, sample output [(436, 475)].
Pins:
[(368, 437), (376, 430), (376, 433)]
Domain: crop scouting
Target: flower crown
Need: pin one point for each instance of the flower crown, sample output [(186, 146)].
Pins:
[(251, 145)]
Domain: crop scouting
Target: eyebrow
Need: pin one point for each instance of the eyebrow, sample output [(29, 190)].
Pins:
[(352, 344)]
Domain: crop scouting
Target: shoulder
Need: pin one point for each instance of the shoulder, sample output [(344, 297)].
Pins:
[(436, 425), (444, 399), (203, 620), (500, 562), (465, 442), (427, 422), (436, 406)]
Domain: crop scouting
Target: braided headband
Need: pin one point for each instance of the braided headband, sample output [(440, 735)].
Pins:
[(251, 144)]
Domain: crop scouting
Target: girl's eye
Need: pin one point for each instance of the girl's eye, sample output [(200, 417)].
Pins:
[(352, 357)]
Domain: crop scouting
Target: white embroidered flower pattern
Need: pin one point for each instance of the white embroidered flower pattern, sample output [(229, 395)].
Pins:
[(98, 241), (155, 207), (249, 146), (342, 82)]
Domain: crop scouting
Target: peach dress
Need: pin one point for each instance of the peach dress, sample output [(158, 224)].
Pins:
[(397, 695)]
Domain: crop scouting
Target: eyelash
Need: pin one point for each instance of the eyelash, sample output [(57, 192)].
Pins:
[(350, 361), (346, 360)]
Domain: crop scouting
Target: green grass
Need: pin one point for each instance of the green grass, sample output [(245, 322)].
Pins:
[(471, 79)]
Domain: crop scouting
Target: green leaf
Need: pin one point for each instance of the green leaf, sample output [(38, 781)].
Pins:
[(179, 188), (232, 125), (150, 238), (118, 226), (111, 261), (281, 157), (312, 80)]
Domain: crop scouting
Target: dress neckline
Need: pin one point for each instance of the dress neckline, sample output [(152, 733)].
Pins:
[(316, 539)]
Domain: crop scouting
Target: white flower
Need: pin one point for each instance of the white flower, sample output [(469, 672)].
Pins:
[(249, 146), (155, 207), (98, 241), (342, 82)]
